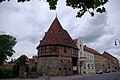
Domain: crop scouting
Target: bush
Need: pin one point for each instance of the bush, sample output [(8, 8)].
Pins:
[(34, 69), (6, 73)]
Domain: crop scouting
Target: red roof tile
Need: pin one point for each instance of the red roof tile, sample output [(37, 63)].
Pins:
[(91, 50), (56, 35), (26, 59), (106, 53), (75, 41)]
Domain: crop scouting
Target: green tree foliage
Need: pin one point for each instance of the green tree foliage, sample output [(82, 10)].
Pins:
[(34, 69), (7, 43), (5, 73), (83, 6), (20, 62)]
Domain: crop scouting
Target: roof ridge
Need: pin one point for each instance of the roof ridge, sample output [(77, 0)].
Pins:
[(57, 35), (91, 50)]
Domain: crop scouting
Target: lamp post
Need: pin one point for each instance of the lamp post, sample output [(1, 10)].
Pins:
[(116, 44), (116, 41)]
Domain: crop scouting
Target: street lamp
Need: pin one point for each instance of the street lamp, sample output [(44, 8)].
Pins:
[(116, 41)]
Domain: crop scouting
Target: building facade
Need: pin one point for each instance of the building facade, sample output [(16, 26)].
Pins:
[(57, 52), (90, 63), (101, 62), (113, 62), (85, 58)]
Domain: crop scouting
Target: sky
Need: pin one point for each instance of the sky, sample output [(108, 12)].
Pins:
[(29, 21)]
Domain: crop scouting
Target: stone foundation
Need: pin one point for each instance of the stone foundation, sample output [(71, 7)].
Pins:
[(55, 66)]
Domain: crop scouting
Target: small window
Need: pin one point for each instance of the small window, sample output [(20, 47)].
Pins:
[(51, 31), (65, 60), (65, 50), (66, 40), (69, 69), (80, 53), (61, 61), (84, 66), (80, 47), (54, 39), (92, 66), (60, 32), (84, 55), (88, 66), (59, 69), (65, 68), (68, 61), (88, 56)]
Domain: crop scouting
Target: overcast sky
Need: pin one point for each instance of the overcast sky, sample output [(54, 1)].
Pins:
[(29, 21)]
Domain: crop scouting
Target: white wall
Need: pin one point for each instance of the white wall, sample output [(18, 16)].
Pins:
[(89, 59)]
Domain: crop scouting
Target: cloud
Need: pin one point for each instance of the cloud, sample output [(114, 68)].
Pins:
[(95, 28), (29, 21), (2, 32)]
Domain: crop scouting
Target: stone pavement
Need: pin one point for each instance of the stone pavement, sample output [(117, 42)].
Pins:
[(53, 78)]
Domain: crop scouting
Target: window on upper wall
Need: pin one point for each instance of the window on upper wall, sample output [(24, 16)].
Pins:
[(80, 54), (51, 31), (72, 51), (43, 49), (84, 66), (60, 32), (69, 69), (92, 66), (68, 61), (61, 61), (88, 56), (84, 55), (88, 66), (59, 69), (53, 38), (66, 40), (52, 50), (65, 50), (80, 47)]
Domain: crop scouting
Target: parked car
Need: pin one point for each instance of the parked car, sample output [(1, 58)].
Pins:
[(99, 71), (114, 70), (108, 71)]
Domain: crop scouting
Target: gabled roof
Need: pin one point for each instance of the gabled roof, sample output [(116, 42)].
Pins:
[(110, 56), (56, 35), (91, 50), (26, 59)]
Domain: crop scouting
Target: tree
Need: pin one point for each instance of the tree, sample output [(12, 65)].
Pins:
[(7, 43), (83, 6), (20, 62)]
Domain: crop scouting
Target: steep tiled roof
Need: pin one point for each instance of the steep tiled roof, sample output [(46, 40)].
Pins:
[(91, 50), (56, 35), (75, 41)]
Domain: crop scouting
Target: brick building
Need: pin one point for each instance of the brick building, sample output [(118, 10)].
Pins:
[(57, 52)]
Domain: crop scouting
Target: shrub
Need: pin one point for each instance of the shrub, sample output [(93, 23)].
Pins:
[(6, 73)]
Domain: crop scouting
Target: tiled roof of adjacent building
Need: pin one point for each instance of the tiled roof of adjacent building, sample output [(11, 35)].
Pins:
[(56, 35), (75, 41), (106, 53), (91, 50)]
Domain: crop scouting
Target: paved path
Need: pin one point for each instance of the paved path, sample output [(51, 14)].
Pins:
[(104, 76), (54, 78)]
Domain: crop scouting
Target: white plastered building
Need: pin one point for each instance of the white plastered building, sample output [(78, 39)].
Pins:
[(85, 58)]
